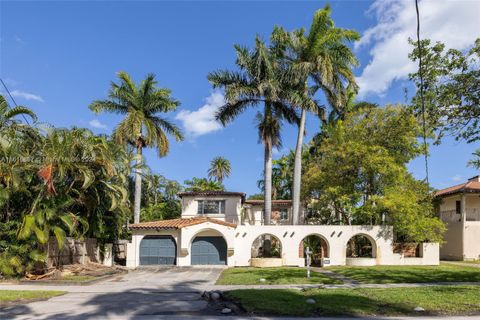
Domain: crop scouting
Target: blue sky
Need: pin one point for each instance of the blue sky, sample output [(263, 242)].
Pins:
[(57, 57)]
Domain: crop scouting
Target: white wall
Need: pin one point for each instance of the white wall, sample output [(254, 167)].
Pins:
[(239, 242), (233, 206)]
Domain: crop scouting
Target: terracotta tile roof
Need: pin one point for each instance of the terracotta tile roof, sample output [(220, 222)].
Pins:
[(213, 193), (178, 223), (468, 187), (274, 202)]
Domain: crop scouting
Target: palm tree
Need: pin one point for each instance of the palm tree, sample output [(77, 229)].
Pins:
[(323, 56), (219, 169), (142, 126), (7, 114), (259, 81)]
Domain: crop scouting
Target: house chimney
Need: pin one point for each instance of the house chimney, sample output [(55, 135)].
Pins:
[(476, 179)]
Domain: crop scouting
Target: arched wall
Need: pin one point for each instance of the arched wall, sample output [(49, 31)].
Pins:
[(300, 245), (267, 234), (291, 236), (370, 238)]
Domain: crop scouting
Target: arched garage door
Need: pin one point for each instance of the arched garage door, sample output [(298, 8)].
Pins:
[(158, 250), (209, 250)]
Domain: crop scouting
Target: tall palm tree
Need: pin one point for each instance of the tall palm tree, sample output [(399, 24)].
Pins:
[(220, 169), (321, 55), (259, 81), (142, 126), (7, 114)]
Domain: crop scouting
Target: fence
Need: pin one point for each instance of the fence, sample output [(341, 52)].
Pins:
[(73, 252)]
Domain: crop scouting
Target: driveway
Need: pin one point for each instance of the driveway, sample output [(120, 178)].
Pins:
[(143, 292)]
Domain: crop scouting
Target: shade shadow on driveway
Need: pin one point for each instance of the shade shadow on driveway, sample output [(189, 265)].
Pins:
[(143, 292)]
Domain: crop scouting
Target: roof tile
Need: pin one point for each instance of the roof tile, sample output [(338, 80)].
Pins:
[(178, 223)]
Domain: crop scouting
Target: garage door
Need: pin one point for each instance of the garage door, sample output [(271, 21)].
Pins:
[(209, 250), (158, 250)]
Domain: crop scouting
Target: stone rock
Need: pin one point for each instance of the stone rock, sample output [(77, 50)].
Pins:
[(310, 301), (226, 310), (418, 309), (214, 295), (263, 280)]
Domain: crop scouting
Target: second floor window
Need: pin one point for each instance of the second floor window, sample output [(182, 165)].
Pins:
[(458, 207), (211, 207)]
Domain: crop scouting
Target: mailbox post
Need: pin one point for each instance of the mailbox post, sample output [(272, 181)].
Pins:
[(308, 253)]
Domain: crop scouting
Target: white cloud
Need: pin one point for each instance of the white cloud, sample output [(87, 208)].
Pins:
[(455, 23), (202, 121), (457, 178), (95, 123), (19, 40), (26, 95)]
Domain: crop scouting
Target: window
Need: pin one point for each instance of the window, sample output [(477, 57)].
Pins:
[(458, 207), (283, 214), (211, 207)]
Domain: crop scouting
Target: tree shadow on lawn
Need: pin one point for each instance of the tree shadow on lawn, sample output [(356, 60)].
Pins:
[(283, 275), (353, 303), (410, 274)]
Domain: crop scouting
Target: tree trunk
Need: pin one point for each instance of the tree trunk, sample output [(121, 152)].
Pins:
[(297, 171), (267, 210), (138, 185)]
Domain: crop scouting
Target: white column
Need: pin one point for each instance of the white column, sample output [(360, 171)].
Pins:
[(463, 211)]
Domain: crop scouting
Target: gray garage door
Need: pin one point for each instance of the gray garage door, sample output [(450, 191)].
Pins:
[(209, 250), (155, 250)]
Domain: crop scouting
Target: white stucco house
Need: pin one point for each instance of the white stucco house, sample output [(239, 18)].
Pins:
[(222, 228), (459, 208)]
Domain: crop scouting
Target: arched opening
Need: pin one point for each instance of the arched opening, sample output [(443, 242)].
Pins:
[(208, 248), (361, 246), (158, 250), (318, 246), (266, 246)]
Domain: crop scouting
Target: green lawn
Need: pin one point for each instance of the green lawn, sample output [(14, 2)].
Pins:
[(284, 275), (360, 302), (77, 278), (9, 296), (410, 274)]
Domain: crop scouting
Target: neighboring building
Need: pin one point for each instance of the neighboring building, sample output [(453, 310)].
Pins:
[(222, 228), (459, 208)]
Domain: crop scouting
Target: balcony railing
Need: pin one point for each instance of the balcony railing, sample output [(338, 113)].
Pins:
[(473, 214)]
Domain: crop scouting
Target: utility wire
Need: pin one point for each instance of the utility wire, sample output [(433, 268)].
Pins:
[(420, 71), (14, 102)]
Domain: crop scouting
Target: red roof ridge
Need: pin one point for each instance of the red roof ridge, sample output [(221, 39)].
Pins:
[(178, 223)]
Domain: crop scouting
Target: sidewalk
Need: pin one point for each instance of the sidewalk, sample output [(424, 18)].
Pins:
[(201, 288)]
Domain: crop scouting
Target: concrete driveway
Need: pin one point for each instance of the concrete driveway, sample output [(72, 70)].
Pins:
[(144, 292)]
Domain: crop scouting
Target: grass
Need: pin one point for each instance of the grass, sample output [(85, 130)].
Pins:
[(77, 278), (446, 300), (284, 275), (12, 296), (410, 274)]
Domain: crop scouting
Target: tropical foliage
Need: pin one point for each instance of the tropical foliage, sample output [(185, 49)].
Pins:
[(451, 83), (321, 56), (358, 175), (142, 126), (220, 169), (260, 80)]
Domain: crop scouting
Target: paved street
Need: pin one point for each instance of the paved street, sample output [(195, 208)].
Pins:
[(149, 292)]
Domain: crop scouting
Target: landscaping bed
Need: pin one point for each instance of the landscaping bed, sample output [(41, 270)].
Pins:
[(281, 275), (74, 275), (10, 297), (445, 300), (410, 274)]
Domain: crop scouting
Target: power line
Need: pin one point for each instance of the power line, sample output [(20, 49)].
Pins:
[(420, 71), (14, 102)]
